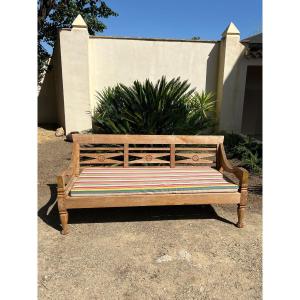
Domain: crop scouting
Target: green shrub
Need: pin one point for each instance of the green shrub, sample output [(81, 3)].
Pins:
[(202, 110), (166, 107), (246, 149), (252, 162)]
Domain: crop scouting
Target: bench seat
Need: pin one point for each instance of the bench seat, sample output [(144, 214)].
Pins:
[(97, 181)]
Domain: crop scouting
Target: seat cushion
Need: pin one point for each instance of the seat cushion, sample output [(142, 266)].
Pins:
[(98, 181)]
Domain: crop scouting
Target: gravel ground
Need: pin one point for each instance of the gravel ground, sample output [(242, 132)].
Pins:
[(189, 252)]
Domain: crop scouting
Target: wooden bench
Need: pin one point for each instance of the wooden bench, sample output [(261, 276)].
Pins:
[(148, 170)]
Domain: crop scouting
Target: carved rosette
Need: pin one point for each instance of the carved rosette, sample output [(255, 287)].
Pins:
[(101, 158), (148, 157), (195, 158)]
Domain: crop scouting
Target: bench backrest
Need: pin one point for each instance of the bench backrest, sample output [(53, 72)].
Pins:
[(145, 150)]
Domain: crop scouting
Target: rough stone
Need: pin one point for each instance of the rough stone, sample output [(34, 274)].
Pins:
[(59, 132)]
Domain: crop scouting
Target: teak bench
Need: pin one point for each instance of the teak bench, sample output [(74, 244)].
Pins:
[(148, 170)]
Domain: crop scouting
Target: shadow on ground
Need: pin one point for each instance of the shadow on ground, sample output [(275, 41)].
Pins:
[(49, 126), (49, 213)]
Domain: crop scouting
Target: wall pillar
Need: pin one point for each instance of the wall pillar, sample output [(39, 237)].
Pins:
[(74, 53), (230, 96)]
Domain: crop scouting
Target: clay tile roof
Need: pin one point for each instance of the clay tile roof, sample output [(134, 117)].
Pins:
[(253, 46), (254, 39)]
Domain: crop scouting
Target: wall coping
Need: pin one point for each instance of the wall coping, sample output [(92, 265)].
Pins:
[(145, 39), (151, 39)]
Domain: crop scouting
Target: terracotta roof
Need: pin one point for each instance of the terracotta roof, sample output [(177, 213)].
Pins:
[(253, 46), (253, 39)]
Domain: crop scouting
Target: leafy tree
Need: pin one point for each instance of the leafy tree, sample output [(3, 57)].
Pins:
[(56, 14)]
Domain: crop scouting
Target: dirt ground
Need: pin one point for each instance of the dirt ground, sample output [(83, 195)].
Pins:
[(188, 252)]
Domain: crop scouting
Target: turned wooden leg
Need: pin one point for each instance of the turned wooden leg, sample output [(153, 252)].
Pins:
[(63, 213), (241, 215), (64, 216)]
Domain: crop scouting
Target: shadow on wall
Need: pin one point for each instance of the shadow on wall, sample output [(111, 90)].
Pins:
[(232, 101), (252, 113), (212, 70), (233, 106), (47, 112)]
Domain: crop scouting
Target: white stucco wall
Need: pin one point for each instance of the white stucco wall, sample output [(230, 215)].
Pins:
[(229, 99), (74, 47), (117, 60)]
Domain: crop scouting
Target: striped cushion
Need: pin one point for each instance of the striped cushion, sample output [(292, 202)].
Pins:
[(122, 181)]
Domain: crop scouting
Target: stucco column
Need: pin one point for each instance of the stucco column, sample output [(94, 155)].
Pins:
[(229, 93), (74, 52)]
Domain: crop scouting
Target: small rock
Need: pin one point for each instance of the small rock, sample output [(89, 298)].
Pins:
[(164, 258), (59, 132), (44, 277), (183, 254)]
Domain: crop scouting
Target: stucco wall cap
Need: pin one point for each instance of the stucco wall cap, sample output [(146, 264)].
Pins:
[(231, 30), (79, 22)]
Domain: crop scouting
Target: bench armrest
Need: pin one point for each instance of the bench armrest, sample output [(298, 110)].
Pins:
[(240, 173), (65, 179)]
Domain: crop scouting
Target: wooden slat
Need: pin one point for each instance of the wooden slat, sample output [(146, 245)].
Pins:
[(105, 162), (172, 156), (194, 158), (149, 149), (146, 139), (195, 149), (76, 158), (126, 155), (144, 161), (190, 161), (195, 155), (103, 155), (121, 166), (100, 148), (151, 200), (154, 155), (153, 158)]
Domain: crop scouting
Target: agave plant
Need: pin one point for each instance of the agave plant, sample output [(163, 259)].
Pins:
[(165, 107), (201, 111)]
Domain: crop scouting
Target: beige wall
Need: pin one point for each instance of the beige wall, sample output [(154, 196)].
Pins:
[(115, 61), (231, 81), (74, 47)]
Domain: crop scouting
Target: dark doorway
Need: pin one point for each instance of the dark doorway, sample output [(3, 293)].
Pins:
[(252, 110)]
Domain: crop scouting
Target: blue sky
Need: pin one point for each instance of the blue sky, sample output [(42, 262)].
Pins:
[(183, 19)]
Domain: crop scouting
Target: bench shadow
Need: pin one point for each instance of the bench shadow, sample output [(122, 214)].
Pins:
[(49, 213)]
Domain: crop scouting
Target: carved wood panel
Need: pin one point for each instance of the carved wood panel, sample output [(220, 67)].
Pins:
[(126, 155)]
